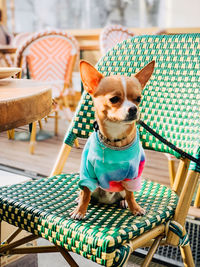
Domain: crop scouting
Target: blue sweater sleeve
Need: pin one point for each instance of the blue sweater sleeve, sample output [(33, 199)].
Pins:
[(87, 174)]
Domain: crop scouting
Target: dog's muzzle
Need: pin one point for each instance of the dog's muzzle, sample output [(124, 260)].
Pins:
[(132, 114)]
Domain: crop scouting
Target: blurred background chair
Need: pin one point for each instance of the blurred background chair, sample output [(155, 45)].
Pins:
[(49, 57), (115, 33), (6, 39), (19, 40), (112, 35)]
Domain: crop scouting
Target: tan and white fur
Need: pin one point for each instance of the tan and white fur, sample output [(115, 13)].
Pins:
[(116, 100)]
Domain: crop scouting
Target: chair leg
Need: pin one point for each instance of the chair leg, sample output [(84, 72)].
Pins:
[(12, 236), (171, 167), (76, 143), (151, 251), (187, 256), (67, 256), (33, 137), (8, 134), (40, 124), (0, 238), (56, 124), (61, 159), (11, 134), (197, 199), (181, 175)]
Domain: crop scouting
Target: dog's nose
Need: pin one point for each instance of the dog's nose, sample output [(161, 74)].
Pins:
[(132, 111)]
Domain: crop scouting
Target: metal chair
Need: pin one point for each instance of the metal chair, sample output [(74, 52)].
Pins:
[(109, 234), (49, 56)]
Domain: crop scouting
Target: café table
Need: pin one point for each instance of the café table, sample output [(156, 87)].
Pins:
[(23, 102)]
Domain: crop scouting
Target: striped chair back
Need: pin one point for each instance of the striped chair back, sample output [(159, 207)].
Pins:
[(51, 57)]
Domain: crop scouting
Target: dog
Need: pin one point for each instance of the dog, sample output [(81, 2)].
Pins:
[(113, 157)]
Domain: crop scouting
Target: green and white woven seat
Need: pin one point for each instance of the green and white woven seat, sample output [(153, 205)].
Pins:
[(170, 106), (43, 206)]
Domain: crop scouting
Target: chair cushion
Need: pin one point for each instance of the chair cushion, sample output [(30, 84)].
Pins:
[(43, 206)]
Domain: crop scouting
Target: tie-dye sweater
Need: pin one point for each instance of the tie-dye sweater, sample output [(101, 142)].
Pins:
[(111, 168)]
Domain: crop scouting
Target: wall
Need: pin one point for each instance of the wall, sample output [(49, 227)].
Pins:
[(32, 15), (182, 13)]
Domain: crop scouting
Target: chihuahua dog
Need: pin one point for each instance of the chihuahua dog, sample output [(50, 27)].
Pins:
[(113, 158)]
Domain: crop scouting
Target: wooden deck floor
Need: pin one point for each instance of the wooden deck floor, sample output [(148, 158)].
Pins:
[(16, 154)]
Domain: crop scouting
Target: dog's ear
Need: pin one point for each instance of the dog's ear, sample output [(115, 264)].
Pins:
[(89, 76), (144, 74)]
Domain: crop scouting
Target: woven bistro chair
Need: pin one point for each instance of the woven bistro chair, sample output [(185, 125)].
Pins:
[(109, 234), (112, 35), (18, 41), (20, 38), (49, 56)]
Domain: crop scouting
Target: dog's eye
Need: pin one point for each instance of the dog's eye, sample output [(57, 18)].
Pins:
[(138, 99), (114, 99)]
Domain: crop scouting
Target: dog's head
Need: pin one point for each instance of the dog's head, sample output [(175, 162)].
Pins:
[(116, 98)]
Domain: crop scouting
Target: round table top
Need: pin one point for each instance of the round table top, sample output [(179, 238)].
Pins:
[(22, 102)]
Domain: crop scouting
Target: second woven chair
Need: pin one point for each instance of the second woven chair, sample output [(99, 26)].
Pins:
[(112, 35), (50, 56)]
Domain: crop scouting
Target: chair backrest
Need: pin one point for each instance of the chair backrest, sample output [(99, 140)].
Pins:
[(20, 38), (50, 56), (171, 99), (6, 38), (112, 35)]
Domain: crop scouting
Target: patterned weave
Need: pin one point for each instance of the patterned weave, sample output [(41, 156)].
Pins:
[(171, 99), (49, 57), (43, 206)]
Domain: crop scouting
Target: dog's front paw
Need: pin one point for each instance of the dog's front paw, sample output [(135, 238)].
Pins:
[(123, 204), (137, 210), (78, 214)]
